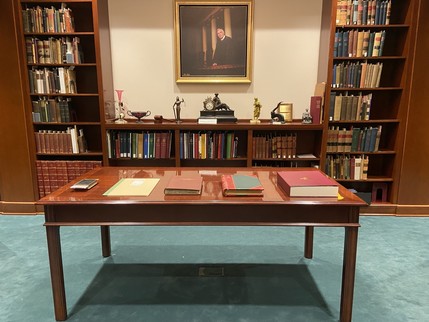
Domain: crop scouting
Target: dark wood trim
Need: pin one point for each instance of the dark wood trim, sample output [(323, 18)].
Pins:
[(17, 182)]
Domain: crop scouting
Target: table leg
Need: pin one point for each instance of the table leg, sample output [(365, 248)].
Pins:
[(57, 274), (349, 269), (105, 241), (308, 246)]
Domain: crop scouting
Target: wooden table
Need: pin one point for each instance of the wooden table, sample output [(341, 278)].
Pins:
[(66, 207)]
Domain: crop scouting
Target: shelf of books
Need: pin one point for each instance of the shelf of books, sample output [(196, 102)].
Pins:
[(367, 96), (286, 148), (240, 144), (60, 52)]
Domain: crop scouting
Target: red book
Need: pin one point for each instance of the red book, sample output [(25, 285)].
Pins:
[(307, 183), (179, 185), (241, 185), (316, 108)]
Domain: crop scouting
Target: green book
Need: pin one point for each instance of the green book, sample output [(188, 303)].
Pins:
[(241, 185)]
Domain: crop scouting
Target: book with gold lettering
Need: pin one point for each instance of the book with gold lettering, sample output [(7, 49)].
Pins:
[(307, 183)]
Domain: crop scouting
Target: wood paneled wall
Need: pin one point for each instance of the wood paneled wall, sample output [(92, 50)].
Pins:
[(414, 182), (17, 187)]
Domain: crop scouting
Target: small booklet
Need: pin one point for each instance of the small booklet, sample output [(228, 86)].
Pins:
[(132, 187), (241, 185), (180, 185), (84, 184)]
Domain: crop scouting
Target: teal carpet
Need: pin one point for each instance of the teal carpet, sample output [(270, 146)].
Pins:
[(154, 273)]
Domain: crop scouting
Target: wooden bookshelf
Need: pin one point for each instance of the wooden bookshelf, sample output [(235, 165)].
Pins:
[(388, 97), (59, 45), (303, 147)]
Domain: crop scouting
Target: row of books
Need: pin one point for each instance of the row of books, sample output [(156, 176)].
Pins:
[(63, 50), (356, 75), (344, 107), (347, 167), (285, 163), (39, 20), (355, 139), (295, 183), (274, 146), (355, 43), (139, 145), (52, 80), (71, 140), (52, 174), (208, 145), (57, 110), (363, 12)]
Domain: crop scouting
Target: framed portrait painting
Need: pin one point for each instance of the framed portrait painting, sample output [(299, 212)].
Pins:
[(213, 41)]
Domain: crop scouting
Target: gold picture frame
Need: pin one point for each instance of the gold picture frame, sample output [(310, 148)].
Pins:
[(213, 41)]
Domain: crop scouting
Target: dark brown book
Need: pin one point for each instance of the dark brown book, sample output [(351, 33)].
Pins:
[(40, 182), (45, 175), (180, 185)]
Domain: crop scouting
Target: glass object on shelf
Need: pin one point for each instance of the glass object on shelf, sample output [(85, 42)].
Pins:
[(120, 108), (138, 114)]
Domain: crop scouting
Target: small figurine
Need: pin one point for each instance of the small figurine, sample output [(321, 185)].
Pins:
[(121, 119), (177, 108), (218, 105), (306, 117), (256, 111), (276, 116)]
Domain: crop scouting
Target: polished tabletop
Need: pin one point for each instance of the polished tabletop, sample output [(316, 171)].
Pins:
[(211, 190)]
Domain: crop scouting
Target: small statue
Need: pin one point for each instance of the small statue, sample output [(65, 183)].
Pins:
[(306, 117), (177, 108), (276, 116), (121, 119), (218, 105), (256, 111)]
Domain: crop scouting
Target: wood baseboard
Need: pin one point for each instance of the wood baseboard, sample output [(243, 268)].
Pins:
[(386, 209), (412, 210), (20, 208), (379, 209)]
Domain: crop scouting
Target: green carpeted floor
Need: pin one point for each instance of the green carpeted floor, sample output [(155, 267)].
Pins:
[(153, 274)]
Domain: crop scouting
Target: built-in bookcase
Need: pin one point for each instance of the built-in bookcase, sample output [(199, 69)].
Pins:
[(240, 144), (370, 59), (81, 104), (60, 49)]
